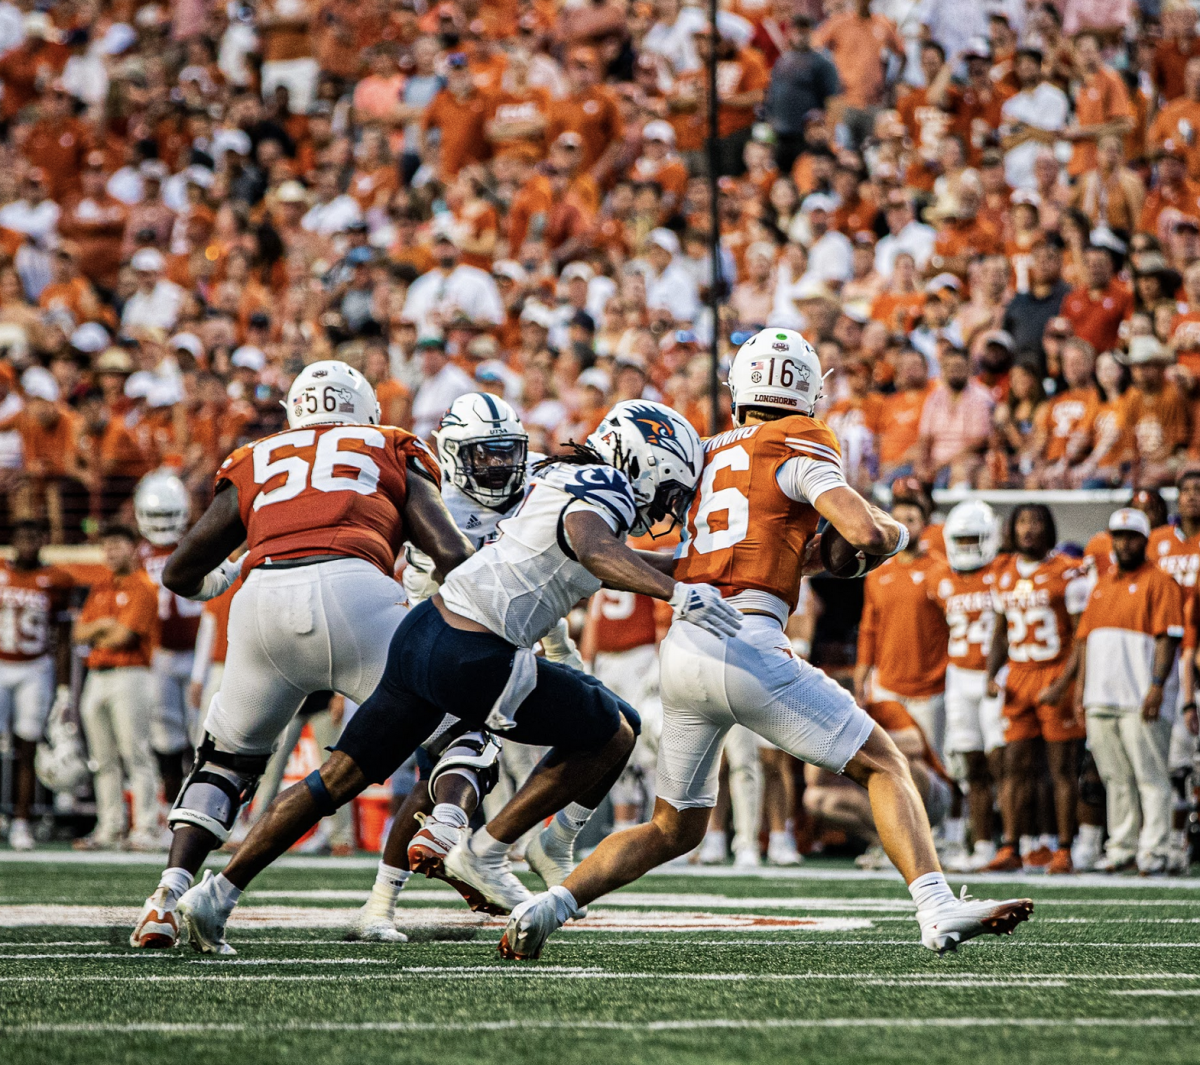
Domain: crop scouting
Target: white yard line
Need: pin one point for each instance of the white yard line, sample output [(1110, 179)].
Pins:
[(1171, 992), (737, 1024)]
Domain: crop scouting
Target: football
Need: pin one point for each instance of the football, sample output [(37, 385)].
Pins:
[(842, 560)]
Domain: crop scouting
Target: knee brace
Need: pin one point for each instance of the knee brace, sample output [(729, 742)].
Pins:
[(218, 786), (475, 756)]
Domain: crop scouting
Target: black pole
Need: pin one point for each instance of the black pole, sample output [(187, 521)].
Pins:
[(714, 238)]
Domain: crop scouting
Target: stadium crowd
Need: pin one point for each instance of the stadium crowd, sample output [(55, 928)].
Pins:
[(985, 217)]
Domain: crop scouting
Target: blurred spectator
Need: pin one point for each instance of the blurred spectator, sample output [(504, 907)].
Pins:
[(955, 423)]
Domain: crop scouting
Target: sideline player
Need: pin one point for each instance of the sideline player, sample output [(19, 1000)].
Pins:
[(766, 484), (323, 506), (1037, 597), (161, 507), (974, 726), (639, 468), (35, 647)]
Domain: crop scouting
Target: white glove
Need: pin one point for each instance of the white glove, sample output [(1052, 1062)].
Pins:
[(702, 605), (417, 577), (559, 647), (218, 581)]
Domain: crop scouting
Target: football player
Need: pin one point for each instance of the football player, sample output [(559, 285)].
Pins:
[(483, 454), (34, 599), (766, 484), (161, 507), (467, 651), (323, 507), (974, 726), (1037, 597)]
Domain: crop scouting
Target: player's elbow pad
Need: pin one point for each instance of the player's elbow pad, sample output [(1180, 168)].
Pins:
[(216, 582)]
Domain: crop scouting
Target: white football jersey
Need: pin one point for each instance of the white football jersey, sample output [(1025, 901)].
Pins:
[(522, 584)]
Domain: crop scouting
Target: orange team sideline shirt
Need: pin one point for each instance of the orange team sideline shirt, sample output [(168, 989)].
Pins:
[(462, 125), (1098, 553), (1039, 601), (31, 600), (903, 631), (328, 490), (1065, 417), (133, 601), (744, 535), (966, 602), (1125, 614)]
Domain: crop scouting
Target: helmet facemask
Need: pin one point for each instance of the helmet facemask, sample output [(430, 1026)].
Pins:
[(161, 527), (491, 470), (671, 500)]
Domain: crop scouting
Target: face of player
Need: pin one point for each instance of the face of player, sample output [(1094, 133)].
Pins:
[(120, 554), (1029, 531), (1129, 548), (1189, 501), (27, 545), (912, 518)]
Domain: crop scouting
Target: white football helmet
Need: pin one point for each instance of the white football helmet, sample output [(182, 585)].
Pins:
[(331, 393), (161, 505), (482, 448), (658, 451), (776, 368), (972, 536)]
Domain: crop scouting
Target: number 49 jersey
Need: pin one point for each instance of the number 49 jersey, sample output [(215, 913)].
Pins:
[(327, 490), (1039, 599), (753, 515), (966, 600)]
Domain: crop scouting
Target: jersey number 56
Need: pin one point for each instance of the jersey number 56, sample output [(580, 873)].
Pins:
[(301, 472)]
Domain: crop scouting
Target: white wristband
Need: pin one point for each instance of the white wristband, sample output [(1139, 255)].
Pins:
[(216, 582), (901, 543)]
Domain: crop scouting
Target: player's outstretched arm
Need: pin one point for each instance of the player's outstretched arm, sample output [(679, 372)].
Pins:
[(864, 526), (432, 529), (205, 546), (619, 567)]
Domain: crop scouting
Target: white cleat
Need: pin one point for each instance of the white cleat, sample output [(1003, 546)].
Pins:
[(531, 924), (204, 917), (371, 927), (747, 858), (874, 858), (550, 859), (20, 835), (712, 850), (983, 854), (427, 850), (157, 926), (781, 850), (944, 927), (491, 876)]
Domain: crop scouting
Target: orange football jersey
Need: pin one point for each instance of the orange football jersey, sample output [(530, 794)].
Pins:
[(966, 600), (1175, 554), (30, 602), (623, 620), (178, 618), (328, 490), (743, 533), (1038, 601)]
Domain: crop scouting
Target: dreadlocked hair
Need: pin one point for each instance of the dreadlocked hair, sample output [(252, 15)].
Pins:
[(577, 455)]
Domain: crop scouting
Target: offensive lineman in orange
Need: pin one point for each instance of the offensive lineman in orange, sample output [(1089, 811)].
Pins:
[(1038, 597), (33, 603), (766, 483), (323, 507)]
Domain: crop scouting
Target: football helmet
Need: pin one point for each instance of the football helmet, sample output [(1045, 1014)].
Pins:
[(331, 393), (483, 448), (161, 505), (972, 536), (776, 368), (658, 451)]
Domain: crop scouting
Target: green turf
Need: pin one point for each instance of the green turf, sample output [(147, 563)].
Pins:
[(1046, 995)]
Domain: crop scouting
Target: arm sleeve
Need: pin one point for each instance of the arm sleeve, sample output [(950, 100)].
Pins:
[(805, 480)]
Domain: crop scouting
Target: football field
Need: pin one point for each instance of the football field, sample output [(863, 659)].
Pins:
[(818, 964)]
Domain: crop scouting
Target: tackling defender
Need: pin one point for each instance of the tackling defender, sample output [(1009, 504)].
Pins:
[(467, 651), (323, 506), (765, 485)]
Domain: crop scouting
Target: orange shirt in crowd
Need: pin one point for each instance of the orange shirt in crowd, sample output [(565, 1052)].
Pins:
[(461, 122), (746, 72), (1158, 425), (1185, 198), (901, 424), (1179, 121), (1171, 56), (903, 632), (49, 450), (133, 601), (1096, 318), (595, 115), (859, 47), (529, 105), (1066, 417), (1101, 98)]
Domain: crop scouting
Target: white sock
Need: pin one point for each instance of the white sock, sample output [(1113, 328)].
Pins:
[(1028, 845), (715, 836), (1091, 836), (777, 839), (389, 882), (449, 814), (954, 830), (1048, 841), (176, 881), (569, 821), (226, 892), (565, 906), (930, 890), (484, 845)]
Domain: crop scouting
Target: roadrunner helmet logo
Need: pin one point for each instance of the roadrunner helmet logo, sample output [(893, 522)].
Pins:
[(658, 431)]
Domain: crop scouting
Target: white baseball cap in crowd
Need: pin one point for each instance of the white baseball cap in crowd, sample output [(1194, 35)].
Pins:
[(149, 260), (248, 357), (1129, 520), (39, 383), (665, 239), (90, 338), (658, 130)]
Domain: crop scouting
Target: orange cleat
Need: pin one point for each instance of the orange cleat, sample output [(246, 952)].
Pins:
[(1007, 860), (1060, 863)]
